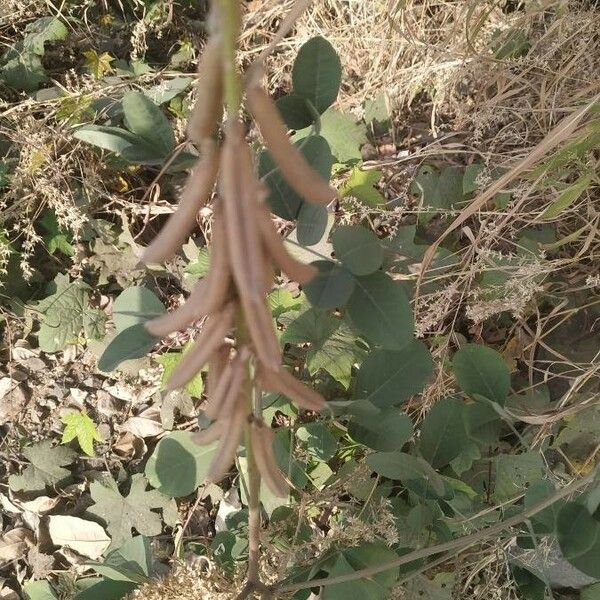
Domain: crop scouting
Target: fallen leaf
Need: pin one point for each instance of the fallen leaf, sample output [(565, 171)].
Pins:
[(124, 513), (85, 537), (129, 446), (40, 506), (146, 424), (14, 544), (41, 564), (45, 468)]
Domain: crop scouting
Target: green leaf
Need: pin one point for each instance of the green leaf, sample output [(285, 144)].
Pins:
[(516, 472), (130, 146), (45, 468), (55, 238), (79, 425), (124, 513), (281, 301), (591, 592), (412, 471), (570, 195), (313, 326), (317, 73), (283, 200), (169, 361), (481, 370), (344, 135), (472, 172), (360, 185), (380, 310), (146, 120), (295, 111), (578, 534), (349, 561), (45, 29), (133, 342), (178, 466), (63, 314), (319, 441), (135, 305), (443, 432), (336, 355), (386, 430), (358, 249), (584, 427), (482, 423), (131, 562), (166, 90), (388, 378), (312, 223), (39, 590), (332, 286), (98, 588)]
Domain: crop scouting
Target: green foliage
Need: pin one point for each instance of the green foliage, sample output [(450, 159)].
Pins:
[(380, 310), (133, 342), (135, 305), (79, 425), (45, 468), (442, 432), (384, 430), (317, 73), (389, 378), (360, 185), (22, 67), (578, 534), (358, 249), (311, 224), (39, 590), (283, 200), (55, 238), (132, 562), (178, 465), (331, 287), (132, 511), (169, 362), (66, 313), (482, 371)]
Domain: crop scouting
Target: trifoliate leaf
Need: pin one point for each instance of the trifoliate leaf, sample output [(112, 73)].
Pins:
[(79, 425), (46, 467)]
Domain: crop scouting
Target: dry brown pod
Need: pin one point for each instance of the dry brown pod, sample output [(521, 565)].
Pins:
[(209, 435), (228, 389), (291, 162), (208, 110), (229, 442), (283, 382), (181, 223), (210, 338), (217, 365), (275, 247), (262, 438)]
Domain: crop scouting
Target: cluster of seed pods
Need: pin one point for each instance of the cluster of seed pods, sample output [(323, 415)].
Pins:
[(245, 248)]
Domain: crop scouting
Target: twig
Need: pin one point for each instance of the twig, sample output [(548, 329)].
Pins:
[(452, 546)]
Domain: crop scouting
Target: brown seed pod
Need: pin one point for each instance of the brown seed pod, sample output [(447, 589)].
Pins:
[(210, 434), (208, 110), (217, 364), (228, 388), (247, 261), (285, 383), (291, 162), (275, 247), (210, 338), (262, 438), (230, 440), (195, 195)]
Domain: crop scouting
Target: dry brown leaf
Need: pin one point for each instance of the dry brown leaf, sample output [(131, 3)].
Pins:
[(85, 537), (14, 544)]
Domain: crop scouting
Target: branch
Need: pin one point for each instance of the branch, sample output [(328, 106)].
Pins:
[(452, 546)]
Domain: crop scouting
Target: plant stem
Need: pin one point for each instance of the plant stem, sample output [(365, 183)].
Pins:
[(230, 17), (452, 546)]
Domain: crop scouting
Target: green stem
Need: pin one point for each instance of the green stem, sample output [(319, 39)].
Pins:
[(230, 15)]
